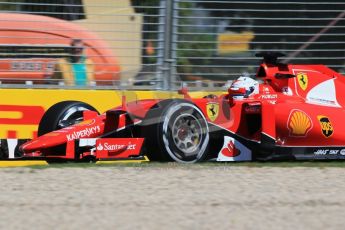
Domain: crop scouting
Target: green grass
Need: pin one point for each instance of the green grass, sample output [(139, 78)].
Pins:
[(290, 164)]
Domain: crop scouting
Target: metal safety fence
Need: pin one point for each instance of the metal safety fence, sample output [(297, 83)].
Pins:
[(219, 39), (161, 44)]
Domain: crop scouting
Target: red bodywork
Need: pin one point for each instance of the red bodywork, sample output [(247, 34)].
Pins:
[(298, 112)]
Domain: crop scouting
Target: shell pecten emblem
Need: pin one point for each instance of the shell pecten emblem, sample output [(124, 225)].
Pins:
[(212, 110), (299, 123), (302, 79)]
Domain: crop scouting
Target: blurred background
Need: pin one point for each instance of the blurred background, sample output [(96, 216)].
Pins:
[(161, 44)]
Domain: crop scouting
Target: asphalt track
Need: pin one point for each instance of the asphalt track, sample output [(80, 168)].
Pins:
[(172, 196)]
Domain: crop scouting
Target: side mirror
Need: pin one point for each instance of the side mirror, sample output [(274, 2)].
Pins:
[(284, 75)]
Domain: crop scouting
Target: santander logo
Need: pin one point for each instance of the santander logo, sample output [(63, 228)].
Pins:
[(118, 147), (113, 147), (100, 147), (230, 150), (234, 150)]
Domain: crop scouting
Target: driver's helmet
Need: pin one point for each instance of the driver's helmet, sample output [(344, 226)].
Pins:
[(243, 87)]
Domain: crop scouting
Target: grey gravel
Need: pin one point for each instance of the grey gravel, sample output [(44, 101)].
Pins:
[(177, 197)]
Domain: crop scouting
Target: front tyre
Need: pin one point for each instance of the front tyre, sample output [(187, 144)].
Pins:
[(176, 130), (61, 115)]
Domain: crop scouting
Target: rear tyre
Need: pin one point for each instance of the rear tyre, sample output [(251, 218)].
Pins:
[(61, 115), (176, 130)]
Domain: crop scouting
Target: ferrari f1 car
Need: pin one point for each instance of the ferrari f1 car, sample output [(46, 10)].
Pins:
[(287, 112)]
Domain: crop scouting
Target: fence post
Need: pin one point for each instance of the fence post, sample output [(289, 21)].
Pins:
[(175, 23), (167, 9)]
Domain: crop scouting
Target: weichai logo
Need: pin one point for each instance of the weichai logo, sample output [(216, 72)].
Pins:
[(326, 126)]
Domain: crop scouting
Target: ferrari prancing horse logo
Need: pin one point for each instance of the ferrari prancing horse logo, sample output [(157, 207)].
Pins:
[(212, 110), (302, 79)]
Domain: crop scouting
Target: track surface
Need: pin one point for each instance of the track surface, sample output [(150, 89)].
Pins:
[(172, 197)]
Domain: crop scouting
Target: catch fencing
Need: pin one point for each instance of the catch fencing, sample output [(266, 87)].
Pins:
[(159, 44)]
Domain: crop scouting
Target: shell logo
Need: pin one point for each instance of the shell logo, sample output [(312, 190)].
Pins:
[(299, 123)]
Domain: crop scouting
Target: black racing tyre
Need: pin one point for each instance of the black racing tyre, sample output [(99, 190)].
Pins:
[(61, 115), (176, 130), (17, 151), (3, 149)]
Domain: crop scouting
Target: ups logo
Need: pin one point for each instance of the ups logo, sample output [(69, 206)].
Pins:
[(326, 126)]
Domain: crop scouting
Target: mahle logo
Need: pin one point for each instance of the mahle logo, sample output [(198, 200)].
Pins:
[(326, 126), (302, 79)]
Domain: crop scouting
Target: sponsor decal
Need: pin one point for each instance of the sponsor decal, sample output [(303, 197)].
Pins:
[(252, 109), (322, 101), (329, 152), (230, 150), (342, 152), (83, 133), (269, 96), (326, 126), (234, 150), (212, 109), (118, 147), (115, 147), (266, 89), (302, 79), (299, 123), (32, 66), (287, 91)]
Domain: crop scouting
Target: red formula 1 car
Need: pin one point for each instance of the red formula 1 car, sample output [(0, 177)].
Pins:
[(288, 112)]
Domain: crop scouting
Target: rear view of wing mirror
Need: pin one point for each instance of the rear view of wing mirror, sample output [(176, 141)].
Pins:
[(284, 75)]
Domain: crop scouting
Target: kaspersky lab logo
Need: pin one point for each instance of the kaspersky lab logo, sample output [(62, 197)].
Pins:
[(326, 126)]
